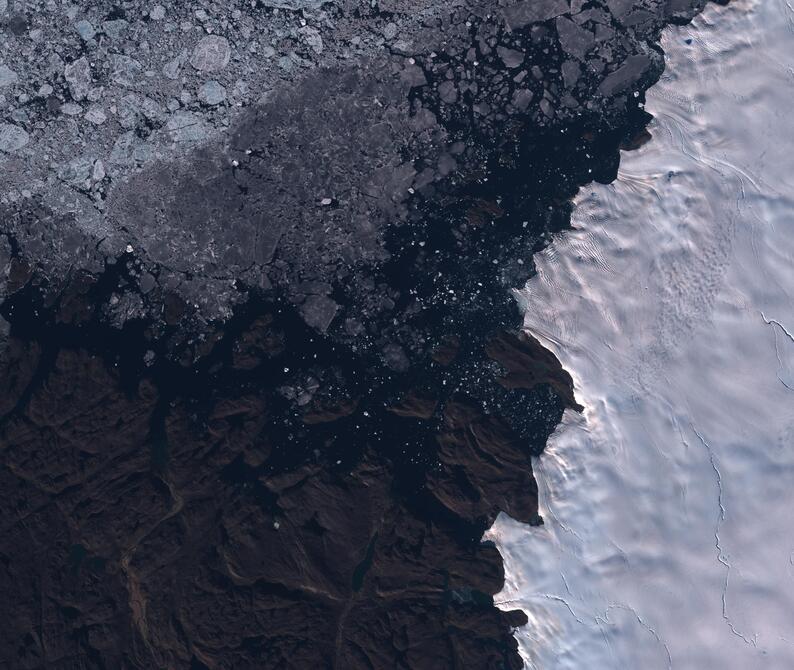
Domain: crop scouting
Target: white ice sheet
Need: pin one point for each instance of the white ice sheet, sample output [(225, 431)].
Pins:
[(669, 506)]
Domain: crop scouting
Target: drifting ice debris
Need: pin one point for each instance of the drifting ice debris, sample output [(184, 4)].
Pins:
[(115, 29), (212, 93), (211, 54), (172, 67), (318, 311), (157, 13), (98, 173), (12, 137), (78, 76), (394, 357), (510, 57), (85, 30), (96, 116), (629, 73), (574, 40), (7, 76), (71, 109), (126, 70), (532, 11)]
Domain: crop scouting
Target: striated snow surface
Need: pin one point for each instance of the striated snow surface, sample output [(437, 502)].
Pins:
[(669, 505)]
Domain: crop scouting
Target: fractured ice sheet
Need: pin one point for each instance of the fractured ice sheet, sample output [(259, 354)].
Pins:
[(668, 536)]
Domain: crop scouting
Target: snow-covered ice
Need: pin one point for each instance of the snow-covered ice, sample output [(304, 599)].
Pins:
[(669, 504)]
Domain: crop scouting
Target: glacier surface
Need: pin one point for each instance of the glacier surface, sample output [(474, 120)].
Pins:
[(668, 503)]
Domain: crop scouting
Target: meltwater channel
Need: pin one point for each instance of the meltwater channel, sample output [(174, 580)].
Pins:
[(669, 504)]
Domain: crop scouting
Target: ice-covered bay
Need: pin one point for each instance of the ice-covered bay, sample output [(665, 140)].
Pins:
[(669, 505)]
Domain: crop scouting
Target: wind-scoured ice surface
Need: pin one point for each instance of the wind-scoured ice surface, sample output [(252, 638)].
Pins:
[(668, 505)]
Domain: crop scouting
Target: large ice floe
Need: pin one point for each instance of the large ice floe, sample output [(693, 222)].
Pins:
[(669, 504)]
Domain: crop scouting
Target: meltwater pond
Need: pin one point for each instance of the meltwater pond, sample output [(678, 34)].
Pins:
[(669, 504)]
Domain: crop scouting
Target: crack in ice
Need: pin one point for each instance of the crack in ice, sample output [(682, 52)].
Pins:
[(555, 598), (787, 333), (775, 322), (542, 473), (646, 626), (721, 556), (545, 596)]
